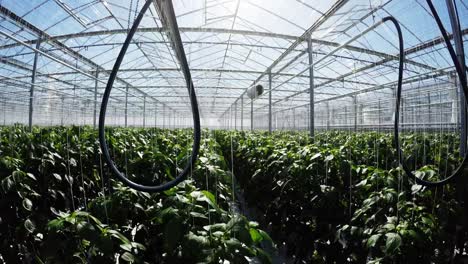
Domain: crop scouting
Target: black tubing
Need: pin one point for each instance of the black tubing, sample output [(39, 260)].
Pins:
[(461, 75), (193, 102)]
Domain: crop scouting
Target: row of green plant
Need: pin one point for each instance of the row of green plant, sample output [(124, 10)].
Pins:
[(343, 199), (60, 204)]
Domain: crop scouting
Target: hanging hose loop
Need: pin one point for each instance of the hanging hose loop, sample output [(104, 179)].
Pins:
[(462, 77), (170, 16)]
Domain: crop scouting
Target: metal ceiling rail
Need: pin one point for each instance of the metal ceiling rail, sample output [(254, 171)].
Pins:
[(25, 67), (357, 21), (415, 78), (43, 88), (182, 87), (52, 58), (428, 44), (202, 30), (195, 70), (43, 36), (336, 6)]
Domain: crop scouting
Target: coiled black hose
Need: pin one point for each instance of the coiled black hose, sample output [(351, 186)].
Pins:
[(193, 101), (461, 75)]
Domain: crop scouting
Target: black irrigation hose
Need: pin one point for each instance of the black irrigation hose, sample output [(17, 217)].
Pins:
[(193, 101), (461, 75)]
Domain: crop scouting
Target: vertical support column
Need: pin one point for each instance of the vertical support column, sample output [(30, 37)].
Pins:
[(164, 116), (251, 114), (95, 98), (242, 113), (126, 106), (270, 119), (457, 39), (33, 80), (379, 116), (144, 111), (155, 113), (62, 99), (429, 121), (328, 115), (294, 118), (169, 120), (311, 86), (230, 118), (346, 117), (461, 183), (355, 112), (174, 119), (235, 116)]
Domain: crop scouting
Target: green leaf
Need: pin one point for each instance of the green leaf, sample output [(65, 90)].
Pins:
[(119, 236), (316, 156), (57, 176), (265, 236), (27, 204), (198, 215), (55, 224), (372, 241), (29, 225), (329, 158), (393, 243), (210, 196), (255, 235), (128, 257), (30, 175), (126, 247), (200, 241), (427, 221), (7, 184), (216, 227)]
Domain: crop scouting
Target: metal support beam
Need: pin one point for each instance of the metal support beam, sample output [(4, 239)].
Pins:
[(311, 87), (62, 110), (461, 183), (155, 114), (251, 115), (242, 113), (31, 91), (42, 35), (355, 112), (164, 116), (269, 103), (380, 122), (346, 116), (144, 111), (458, 41), (95, 98), (429, 109), (294, 119), (126, 106), (235, 116), (336, 6)]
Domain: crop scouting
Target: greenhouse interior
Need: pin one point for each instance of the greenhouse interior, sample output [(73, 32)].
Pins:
[(233, 131)]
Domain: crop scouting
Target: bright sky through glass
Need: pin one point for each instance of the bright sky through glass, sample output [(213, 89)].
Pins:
[(229, 45)]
